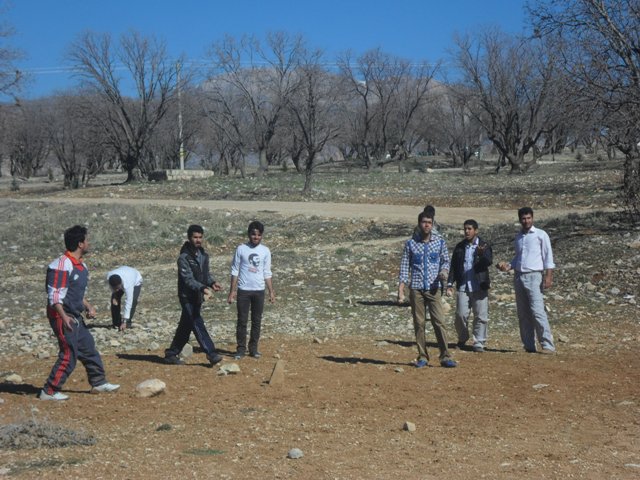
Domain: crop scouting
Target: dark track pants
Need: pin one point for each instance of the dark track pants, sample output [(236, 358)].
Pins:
[(191, 321), (75, 344)]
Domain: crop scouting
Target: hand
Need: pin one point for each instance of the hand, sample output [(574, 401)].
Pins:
[(443, 276), (216, 287), (123, 326), (91, 311), (67, 321), (481, 248), (232, 297), (449, 291), (503, 266), (272, 297), (207, 293)]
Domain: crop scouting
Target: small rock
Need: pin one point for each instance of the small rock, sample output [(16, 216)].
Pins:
[(13, 378), (295, 453), (399, 370), (187, 351), (409, 427), (317, 340), (563, 338), (378, 282), (614, 291), (150, 388), (228, 368), (540, 386), (277, 375)]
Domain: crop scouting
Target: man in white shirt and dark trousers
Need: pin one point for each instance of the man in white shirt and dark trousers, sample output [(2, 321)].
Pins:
[(250, 272), (533, 266), (124, 281)]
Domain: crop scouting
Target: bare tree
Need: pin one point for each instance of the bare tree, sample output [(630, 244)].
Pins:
[(128, 121), (317, 98), (165, 143), (11, 79), (77, 141), (600, 44), (515, 85), (456, 128), (226, 129), (26, 138), (261, 78)]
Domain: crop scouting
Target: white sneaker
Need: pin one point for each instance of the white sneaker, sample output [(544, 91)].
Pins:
[(105, 388), (56, 396)]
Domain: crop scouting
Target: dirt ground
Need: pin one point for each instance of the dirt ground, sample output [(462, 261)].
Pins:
[(344, 403)]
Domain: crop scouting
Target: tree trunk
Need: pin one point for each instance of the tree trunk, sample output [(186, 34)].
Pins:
[(308, 174), (263, 164)]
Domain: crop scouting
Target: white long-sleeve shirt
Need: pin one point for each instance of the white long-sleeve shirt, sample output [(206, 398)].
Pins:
[(251, 265), (533, 251), (131, 278)]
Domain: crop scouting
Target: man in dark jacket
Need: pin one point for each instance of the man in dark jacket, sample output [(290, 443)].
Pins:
[(470, 271), (194, 283)]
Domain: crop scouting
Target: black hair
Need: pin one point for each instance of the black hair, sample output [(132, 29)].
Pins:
[(430, 210), (424, 214), (525, 211), (74, 236), (194, 229), (471, 222), (255, 225), (115, 280)]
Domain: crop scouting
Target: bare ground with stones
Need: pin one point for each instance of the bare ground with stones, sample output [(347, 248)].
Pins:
[(349, 386)]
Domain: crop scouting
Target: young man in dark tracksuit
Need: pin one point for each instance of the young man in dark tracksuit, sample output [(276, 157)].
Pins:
[(67, 279), (194, 280)]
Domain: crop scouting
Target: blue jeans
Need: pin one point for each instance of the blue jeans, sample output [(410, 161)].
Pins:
[(249, 300), (191, 321), (531, 314)]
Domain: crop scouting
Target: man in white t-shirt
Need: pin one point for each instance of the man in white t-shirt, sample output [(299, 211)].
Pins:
[(124, 281), (250, 272)]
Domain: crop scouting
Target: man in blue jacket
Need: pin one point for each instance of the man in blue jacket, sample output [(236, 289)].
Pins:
[(470, 271)]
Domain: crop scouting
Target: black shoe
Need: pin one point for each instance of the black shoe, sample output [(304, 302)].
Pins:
[(173, 360), (460, 345), (239, 355), (214, 359), (478, 348), (255, 354)]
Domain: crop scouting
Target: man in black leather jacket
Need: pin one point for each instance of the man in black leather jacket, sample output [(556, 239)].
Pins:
[(470, 271), (194, 283)]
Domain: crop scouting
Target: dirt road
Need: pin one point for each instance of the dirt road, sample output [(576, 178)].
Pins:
[(395, 213)]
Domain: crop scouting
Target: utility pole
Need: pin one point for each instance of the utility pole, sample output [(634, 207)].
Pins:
[(178, 67)]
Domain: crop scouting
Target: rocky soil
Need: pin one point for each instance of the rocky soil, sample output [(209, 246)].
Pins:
[(349, 398)]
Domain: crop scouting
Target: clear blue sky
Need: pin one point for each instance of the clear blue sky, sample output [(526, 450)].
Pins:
[(419, 30)]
